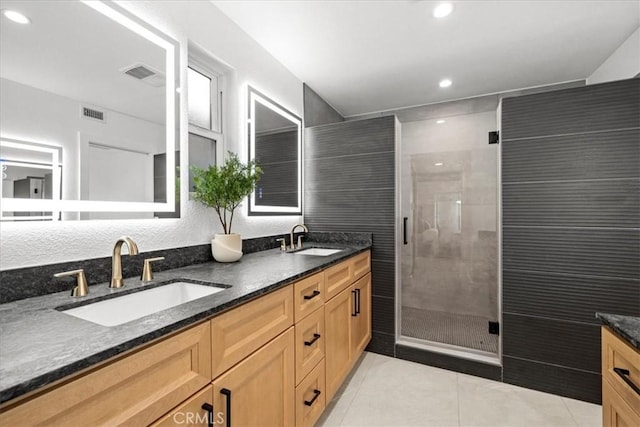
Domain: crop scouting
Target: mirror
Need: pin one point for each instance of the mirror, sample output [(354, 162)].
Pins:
[(88, 113), (275, 142)]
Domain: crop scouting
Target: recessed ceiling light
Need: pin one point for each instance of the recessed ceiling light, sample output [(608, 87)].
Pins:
[(439, 164), (445, 83), (441, 121), (16, 16), (442, 10)]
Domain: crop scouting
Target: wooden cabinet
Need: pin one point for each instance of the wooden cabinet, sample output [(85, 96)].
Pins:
[(347, 322), (311, 397), (239, 332), (309, 343), (615, 411), (133, 390), (260, 389), (338, 349), (338, 278), (620, 375), (308, 295), (195, 412), (249, 366), (361, 330)]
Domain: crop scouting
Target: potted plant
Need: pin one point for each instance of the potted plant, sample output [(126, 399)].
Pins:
[(223, 188)]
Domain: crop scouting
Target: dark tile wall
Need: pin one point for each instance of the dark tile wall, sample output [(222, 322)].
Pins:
[(276, 153), (571, 231), (350, 187)]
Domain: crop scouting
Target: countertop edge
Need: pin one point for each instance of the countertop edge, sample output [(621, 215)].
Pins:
[(627, 327)]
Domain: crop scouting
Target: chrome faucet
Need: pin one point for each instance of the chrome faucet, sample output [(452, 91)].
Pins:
[(116, 260), (291, 245)]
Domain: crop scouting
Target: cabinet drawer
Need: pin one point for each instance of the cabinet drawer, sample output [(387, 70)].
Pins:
[(361, 264), (311, 397), (134, 390), (239, 332), (618, 357), (191, 413), (338, 278), (308, 295), (309, 343), (615, 411)]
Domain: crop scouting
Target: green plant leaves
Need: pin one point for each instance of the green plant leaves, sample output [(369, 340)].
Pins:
[(224, 187)]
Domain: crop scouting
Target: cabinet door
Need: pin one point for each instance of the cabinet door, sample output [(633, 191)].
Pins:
[(338, 350), (195, 412), (260, 390), (615, 411), (362, 320)]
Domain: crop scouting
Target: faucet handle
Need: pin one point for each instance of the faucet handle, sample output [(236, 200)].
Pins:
[(283, 245), (81, 288), (147, 272), (299, 242)]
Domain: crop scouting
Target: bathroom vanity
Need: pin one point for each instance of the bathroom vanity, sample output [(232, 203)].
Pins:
[(271, 349), (620, 370)]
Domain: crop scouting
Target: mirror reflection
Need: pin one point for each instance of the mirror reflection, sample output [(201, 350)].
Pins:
[(275, 142), (99, 85)]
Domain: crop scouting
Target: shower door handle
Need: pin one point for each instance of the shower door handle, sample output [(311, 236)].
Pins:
[(404, 230)]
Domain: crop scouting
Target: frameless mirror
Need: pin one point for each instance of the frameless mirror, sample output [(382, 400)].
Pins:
[(275, 142), (88, 113)]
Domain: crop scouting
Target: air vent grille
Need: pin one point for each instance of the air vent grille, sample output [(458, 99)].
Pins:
[(93, 114), (140, 72)]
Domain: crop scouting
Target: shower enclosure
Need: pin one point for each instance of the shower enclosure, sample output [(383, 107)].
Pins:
[(449, 298)]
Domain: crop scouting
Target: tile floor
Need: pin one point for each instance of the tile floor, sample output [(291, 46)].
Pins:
[(393, 392)]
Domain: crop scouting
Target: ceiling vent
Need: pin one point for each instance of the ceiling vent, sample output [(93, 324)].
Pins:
[(93, 114), (145, 74)]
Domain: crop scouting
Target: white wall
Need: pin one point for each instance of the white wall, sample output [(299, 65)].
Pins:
[(30, 244), (624, 63), (34, 115)]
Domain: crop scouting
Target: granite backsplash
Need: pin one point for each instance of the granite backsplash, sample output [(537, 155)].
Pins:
[(30, 282)]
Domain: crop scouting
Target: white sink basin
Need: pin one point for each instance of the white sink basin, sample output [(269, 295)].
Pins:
[(318, 251), (119, 310)]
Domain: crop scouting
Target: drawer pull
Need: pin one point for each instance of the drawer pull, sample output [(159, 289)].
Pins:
[(209, 408), (227, 393), (316, 393), (354, 313), (315, 338), (624, 374), (313, 295)]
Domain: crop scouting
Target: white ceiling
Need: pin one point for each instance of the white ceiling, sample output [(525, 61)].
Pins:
[(72, 50), (365, 56)]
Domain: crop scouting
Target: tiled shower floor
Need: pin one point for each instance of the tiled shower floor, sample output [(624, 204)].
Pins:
[(450, 328)]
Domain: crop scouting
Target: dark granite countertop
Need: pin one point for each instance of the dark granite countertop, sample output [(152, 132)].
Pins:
[(628, 327), (40, 345)]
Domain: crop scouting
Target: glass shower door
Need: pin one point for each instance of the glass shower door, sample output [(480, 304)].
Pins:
[(449, 283)]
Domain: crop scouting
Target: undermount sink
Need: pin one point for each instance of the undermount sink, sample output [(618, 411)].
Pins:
[(318, 251), (123, 309)]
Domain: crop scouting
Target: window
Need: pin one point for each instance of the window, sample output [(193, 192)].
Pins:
[(205, 82)]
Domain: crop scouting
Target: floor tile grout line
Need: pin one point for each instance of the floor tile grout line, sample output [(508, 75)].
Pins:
[(357, 388), (570, 412), (458, 397)]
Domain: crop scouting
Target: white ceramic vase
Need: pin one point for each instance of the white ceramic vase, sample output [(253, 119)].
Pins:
[(226, 247)]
